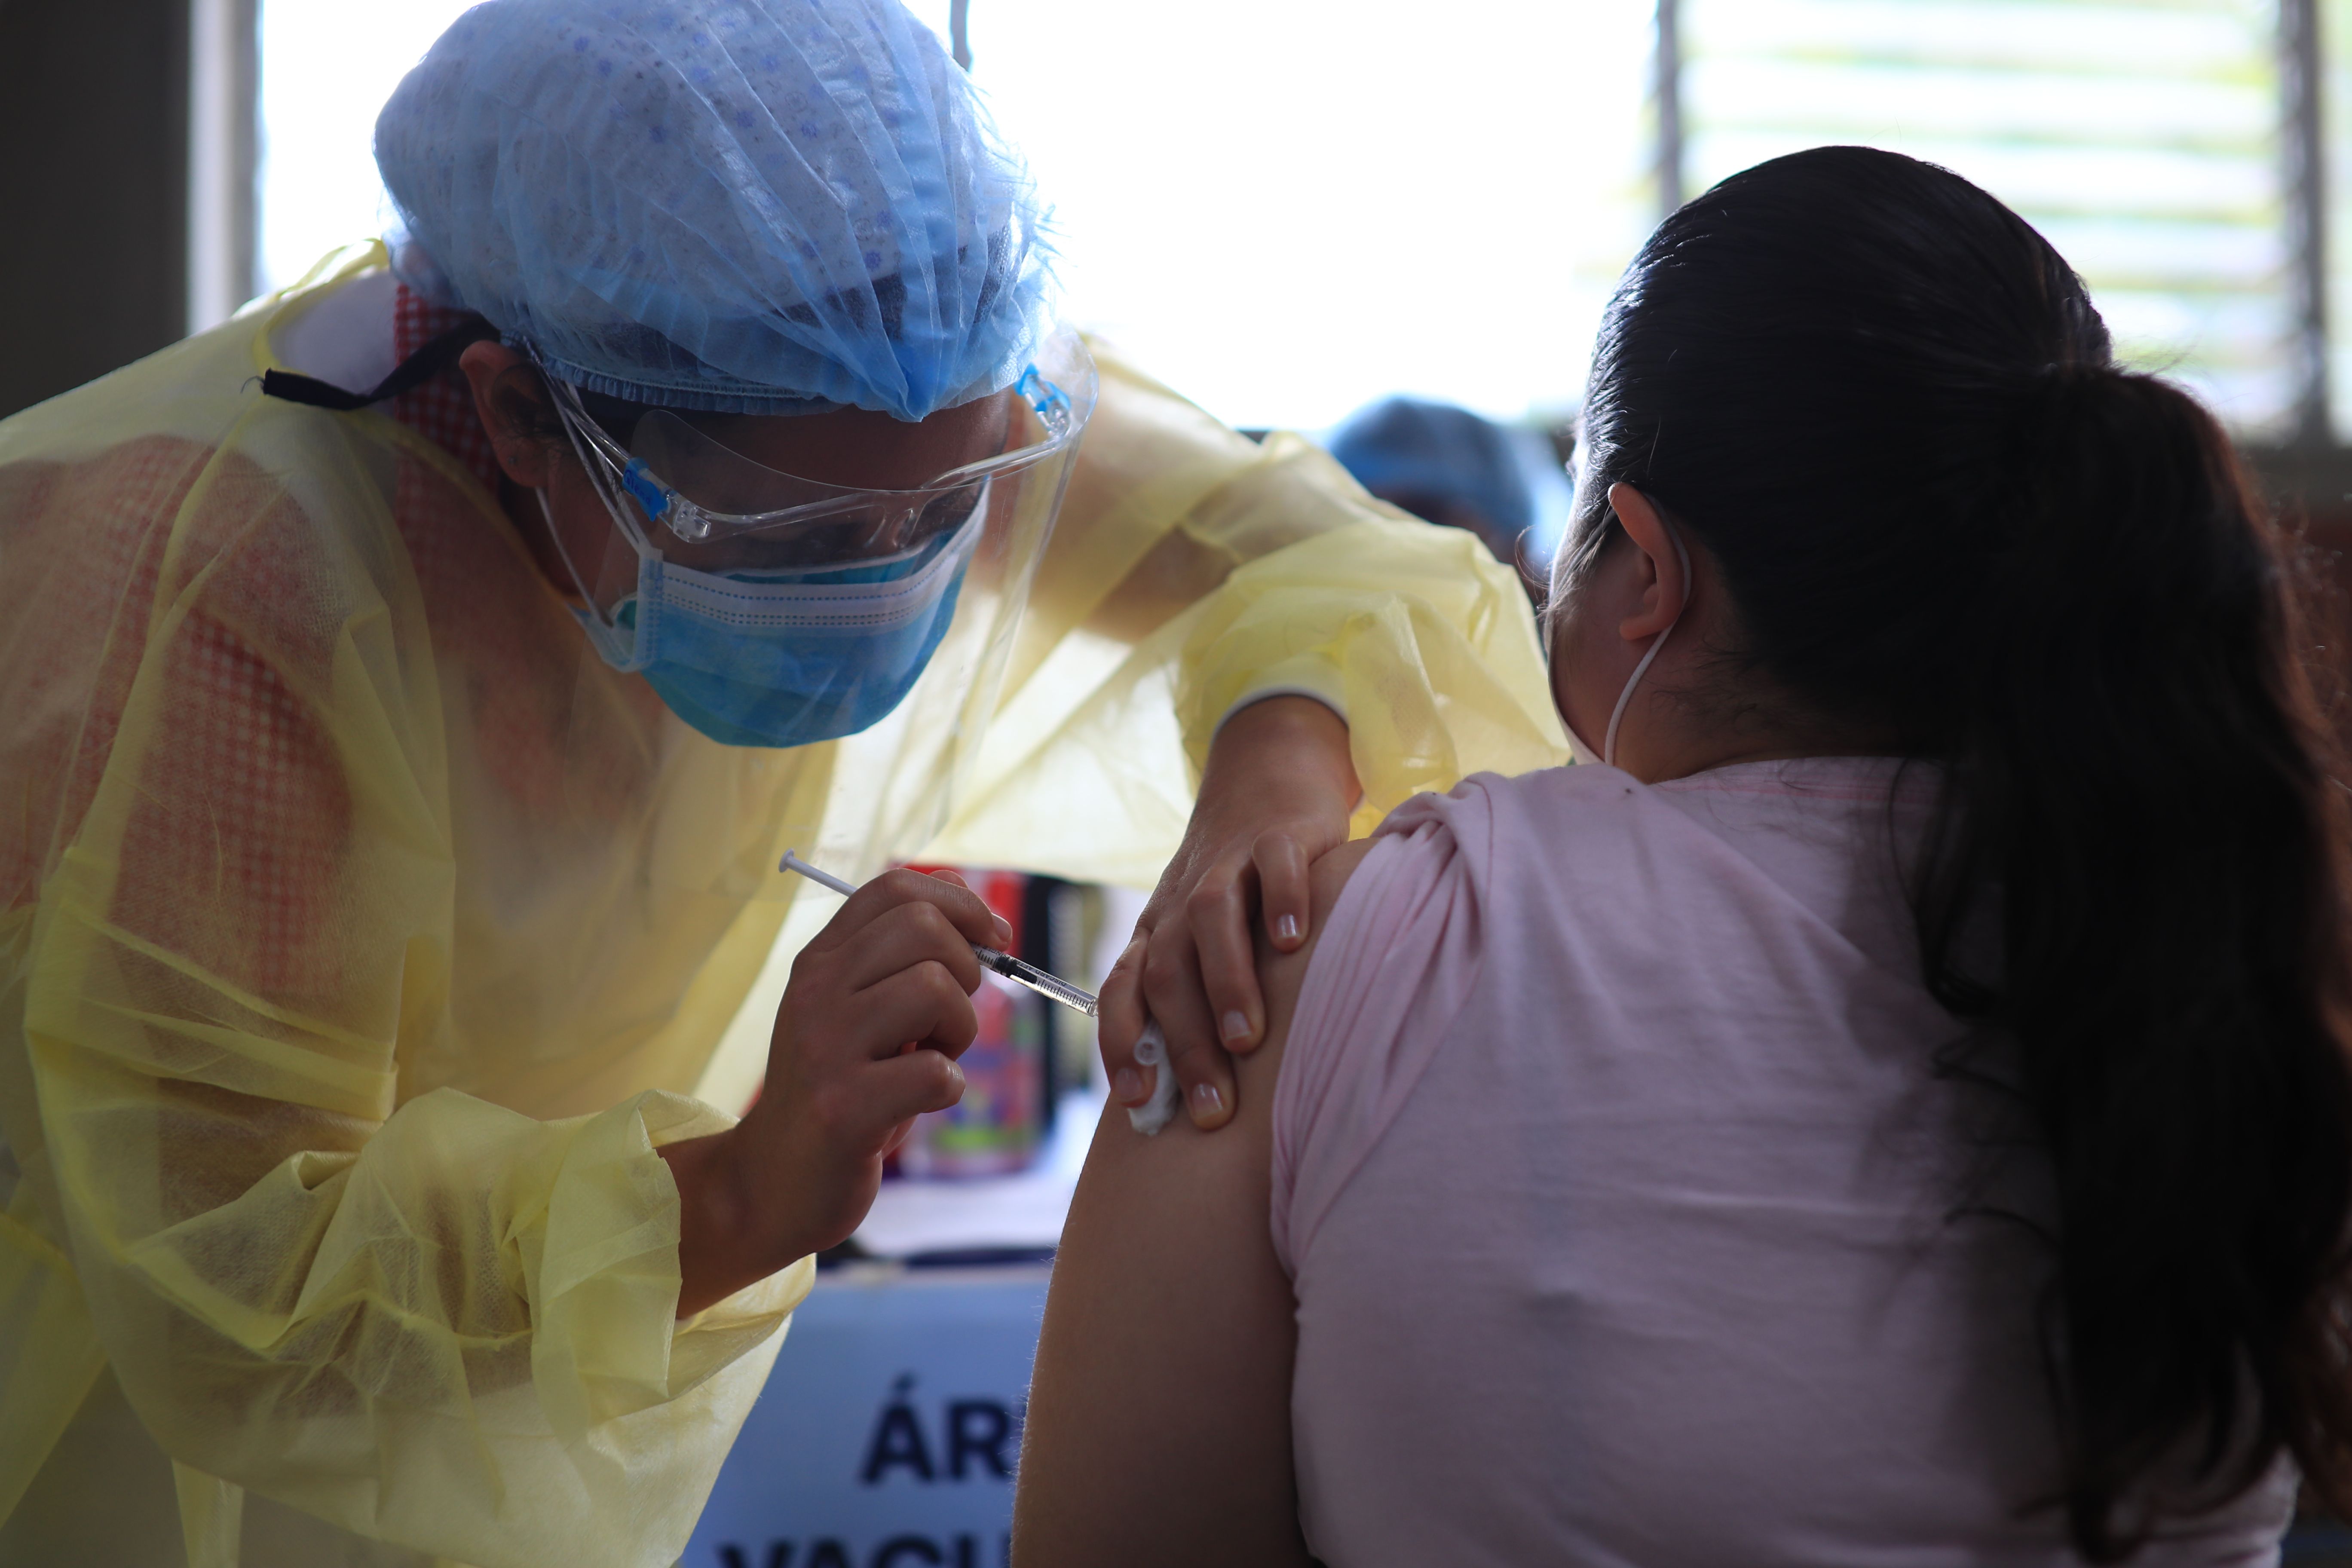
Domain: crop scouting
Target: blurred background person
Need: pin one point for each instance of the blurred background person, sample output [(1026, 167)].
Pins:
[(1447, 466)]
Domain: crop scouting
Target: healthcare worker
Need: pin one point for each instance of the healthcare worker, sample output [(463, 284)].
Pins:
[(392, 787)]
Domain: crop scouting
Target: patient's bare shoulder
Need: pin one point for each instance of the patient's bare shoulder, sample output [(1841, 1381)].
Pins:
[(1158, 1428)]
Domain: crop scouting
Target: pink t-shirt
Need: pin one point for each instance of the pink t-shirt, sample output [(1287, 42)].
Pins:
[(1629, 1218)]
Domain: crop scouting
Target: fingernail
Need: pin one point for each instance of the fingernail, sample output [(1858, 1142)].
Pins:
[(1004, 931), (1127, 1085), (1236, 1027), (1286, 928), (1207, 1102)]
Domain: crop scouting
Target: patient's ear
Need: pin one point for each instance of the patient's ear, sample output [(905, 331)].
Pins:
[(1664, 585), (512, 403)]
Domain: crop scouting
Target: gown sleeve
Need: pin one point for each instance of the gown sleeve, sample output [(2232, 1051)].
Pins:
[(1194, 570), (228, 867)]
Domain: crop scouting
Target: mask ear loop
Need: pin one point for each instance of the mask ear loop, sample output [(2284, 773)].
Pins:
[(1617, 715), (638, 654)]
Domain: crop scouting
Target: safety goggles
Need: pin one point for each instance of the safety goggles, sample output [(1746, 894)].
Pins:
[(683, 480), (824, 542)]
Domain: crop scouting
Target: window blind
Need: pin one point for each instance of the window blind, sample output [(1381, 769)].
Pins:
[(2140, 136)]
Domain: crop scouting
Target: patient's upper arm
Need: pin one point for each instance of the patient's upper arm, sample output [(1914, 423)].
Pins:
[(1158, 1426)]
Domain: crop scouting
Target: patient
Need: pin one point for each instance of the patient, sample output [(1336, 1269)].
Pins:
[(1891, 1105)]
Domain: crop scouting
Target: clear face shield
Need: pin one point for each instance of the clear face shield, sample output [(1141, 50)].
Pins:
[(770, 609)]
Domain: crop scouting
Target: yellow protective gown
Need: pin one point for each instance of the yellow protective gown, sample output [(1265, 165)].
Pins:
[(362, 936)]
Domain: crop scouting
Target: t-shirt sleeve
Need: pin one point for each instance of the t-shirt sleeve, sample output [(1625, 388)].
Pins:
[(1397, 959)]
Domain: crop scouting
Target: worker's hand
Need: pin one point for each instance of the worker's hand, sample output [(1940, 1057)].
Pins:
[(878, 1009), (1277, 794)]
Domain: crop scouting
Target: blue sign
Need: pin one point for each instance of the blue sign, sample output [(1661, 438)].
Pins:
[(887, 1433)]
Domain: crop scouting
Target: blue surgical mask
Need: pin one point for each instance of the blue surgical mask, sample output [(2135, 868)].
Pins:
[(787, 659)]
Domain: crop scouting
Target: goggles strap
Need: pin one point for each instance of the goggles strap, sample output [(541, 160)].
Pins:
[(418, 368)]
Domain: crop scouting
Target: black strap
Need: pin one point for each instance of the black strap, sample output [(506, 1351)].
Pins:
[(415, 371)]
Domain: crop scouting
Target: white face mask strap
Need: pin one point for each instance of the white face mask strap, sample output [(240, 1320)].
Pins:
[(1609, 741), (636, 654), (555, 536)]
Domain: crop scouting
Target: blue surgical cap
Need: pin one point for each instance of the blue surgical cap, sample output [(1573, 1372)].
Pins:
[(1401, 446), (757, 207)]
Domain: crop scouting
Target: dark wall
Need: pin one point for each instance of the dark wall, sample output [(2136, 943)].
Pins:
[(93, 174)]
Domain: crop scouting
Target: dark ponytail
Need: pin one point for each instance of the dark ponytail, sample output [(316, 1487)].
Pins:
[(1951, 528)]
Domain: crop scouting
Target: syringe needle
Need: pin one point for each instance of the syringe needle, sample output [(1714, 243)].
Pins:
[(1051, 986)]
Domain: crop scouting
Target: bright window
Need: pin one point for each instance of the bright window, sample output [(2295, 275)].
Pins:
[(1287, 208), (327, 65)]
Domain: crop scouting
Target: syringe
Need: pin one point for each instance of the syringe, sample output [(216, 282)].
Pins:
[(1053, 987), (1151, 1050)]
